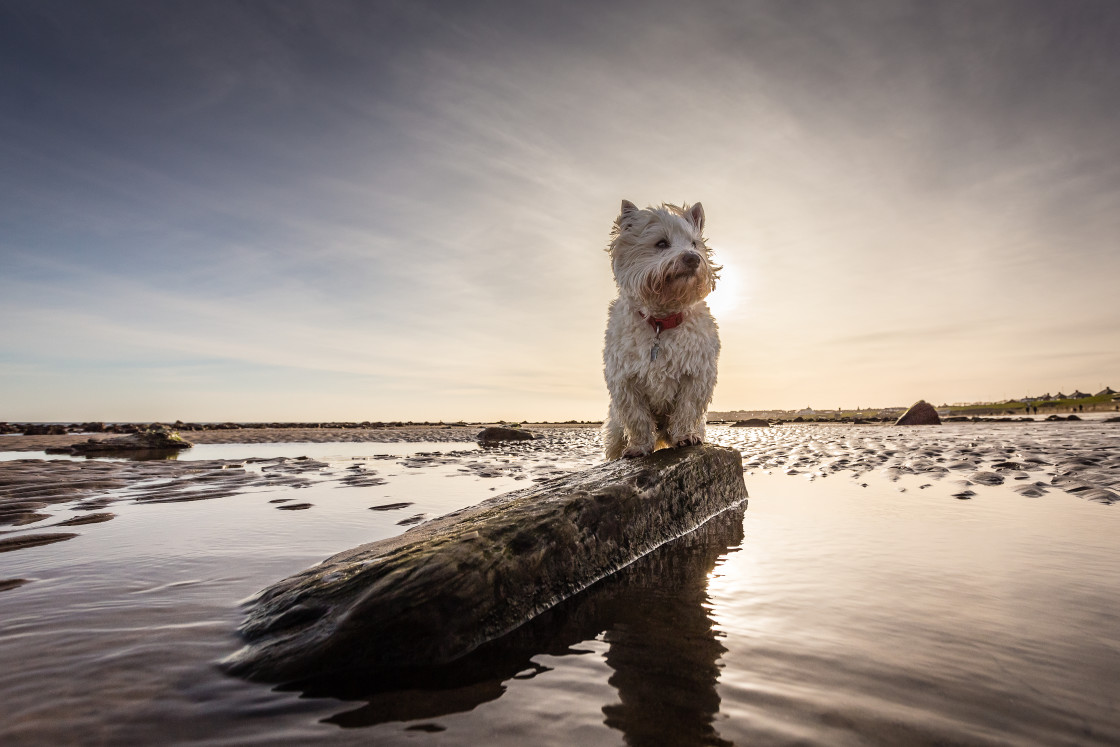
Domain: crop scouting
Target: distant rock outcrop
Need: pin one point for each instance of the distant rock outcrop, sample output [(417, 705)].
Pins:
[(920, 413), (157, 438), (751, 423), (44, 430)]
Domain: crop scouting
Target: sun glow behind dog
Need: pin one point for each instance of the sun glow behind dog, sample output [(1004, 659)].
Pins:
[(729, 292)]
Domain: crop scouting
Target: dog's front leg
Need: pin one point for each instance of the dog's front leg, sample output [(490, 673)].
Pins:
[(631, 407), (686, 421)]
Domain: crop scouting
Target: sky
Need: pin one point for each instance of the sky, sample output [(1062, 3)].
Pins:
[(215, 210)]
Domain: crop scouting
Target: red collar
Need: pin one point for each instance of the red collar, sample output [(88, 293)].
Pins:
[(664, 322)]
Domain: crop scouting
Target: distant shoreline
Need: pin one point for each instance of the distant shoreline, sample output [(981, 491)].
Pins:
[(419, 433)]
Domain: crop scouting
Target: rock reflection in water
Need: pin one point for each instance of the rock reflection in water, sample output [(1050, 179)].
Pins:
[(663, 650)]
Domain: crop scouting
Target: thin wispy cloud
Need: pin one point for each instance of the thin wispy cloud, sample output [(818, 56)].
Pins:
[(400, 208)]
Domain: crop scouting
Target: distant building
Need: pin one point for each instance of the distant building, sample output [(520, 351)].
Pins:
[(1059, 395), (1079, 395), (1106, 392)]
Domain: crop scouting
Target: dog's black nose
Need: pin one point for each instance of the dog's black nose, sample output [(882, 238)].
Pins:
[(692, 259)]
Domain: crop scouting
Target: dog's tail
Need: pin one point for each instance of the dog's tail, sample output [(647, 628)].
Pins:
[(614, 438)]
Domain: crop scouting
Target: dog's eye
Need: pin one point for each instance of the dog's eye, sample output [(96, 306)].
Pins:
[(694, 243), (663, 244)]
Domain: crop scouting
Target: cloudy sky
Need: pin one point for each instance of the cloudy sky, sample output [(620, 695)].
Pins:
[(216, 210)]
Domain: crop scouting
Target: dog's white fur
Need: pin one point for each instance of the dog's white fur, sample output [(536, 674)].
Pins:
[(662, 265)]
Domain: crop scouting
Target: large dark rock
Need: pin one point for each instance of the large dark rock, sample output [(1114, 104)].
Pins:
[(440, 590), (658, 628), (920, 413), (751, 423), (154, 439), (496, 435)]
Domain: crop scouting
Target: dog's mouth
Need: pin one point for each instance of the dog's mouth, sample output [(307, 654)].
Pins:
[(676, 286)]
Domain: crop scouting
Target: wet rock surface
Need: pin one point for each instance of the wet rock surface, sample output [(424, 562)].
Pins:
[(440, 590), (660, 631)]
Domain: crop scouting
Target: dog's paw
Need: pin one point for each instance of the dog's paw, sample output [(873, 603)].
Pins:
[(690, 441), (634, 452)]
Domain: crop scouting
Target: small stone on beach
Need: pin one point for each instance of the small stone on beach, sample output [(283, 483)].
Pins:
[(496, 435)]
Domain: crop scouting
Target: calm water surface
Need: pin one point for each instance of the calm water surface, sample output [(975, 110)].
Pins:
[(832, 611), (329, 451)]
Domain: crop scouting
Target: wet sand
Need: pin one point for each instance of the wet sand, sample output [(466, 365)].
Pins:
[(1032, 459), (1079, 458), (30, 488)]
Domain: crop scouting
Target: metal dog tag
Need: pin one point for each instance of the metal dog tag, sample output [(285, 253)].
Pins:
[(654, 351)]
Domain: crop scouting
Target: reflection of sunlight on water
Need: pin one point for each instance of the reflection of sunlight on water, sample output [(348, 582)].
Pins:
[(730, 291), (330, 451)]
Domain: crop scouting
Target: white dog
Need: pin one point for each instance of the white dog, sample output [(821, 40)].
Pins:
[(662, 342)]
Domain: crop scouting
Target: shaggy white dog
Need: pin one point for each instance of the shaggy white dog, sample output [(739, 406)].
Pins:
[(662, 342)]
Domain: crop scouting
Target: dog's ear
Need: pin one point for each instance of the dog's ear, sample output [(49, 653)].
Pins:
[(696, 216), (628, 211)]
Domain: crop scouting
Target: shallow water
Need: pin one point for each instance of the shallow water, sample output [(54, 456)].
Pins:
[(855, 601), (328, 451)]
